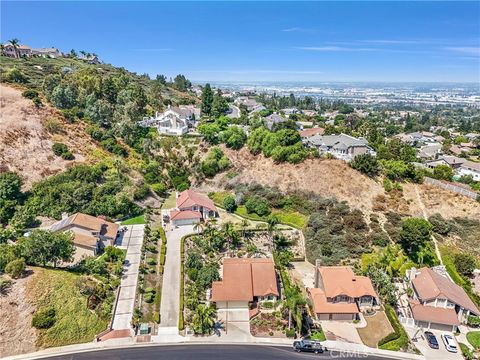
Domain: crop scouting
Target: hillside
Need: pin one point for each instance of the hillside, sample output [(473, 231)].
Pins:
[(328, 178), (25, 142)]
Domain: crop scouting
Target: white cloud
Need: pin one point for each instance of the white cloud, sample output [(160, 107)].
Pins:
[(466, 50), (335, 48)]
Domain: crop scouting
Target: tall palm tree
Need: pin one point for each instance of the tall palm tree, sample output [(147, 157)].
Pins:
[(198, 227), (204, 319), (15, 42), (272, 223)]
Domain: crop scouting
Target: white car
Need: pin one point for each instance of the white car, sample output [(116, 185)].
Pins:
[(449, 342)]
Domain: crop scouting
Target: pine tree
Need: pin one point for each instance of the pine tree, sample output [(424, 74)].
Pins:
[(207, 100)]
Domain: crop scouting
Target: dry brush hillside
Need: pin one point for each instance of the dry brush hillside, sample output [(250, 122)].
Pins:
[(25, 143)]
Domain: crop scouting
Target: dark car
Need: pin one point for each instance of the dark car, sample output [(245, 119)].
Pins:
[(309, 346), (431, 339)]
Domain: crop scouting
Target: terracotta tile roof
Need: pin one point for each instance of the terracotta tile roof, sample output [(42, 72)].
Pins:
[(340, 280), (430, 285), (92, 223), (311, 132), (245, 278), (322, 306), (185, 214), (433, 314), (189, 198), (84, 239)]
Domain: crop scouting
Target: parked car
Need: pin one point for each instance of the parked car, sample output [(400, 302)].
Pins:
[(309, 346), (431, 339), (449, 342)]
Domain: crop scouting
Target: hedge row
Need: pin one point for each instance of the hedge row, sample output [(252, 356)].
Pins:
[(398, 339), (181, 324)]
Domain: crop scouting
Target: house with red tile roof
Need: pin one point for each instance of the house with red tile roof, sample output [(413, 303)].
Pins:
[(437, 302), (339, 294), (90, 233), (191, 208), (245, 281)]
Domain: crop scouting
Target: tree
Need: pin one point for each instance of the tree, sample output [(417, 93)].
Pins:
[(234, 137), (443, 172), (15, 42), (206, 275), (42, 247), (464, 263), (15, 268), (204, 319), (366, 163), (219, 105), (10, 195), (295, 303), (181, 83), (229, 203), (207, 100), (415, 234)]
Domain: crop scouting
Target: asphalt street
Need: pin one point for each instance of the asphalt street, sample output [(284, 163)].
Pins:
[(208, 352)]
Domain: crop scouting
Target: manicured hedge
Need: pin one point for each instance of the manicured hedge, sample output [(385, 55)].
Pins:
[(398, 339), (181, 324)]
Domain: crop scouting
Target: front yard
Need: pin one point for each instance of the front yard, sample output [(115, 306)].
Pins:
[(377, 328), (473, 338)]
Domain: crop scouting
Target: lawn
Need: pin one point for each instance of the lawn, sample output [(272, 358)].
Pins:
[(377, 328), (473, 338), (140, 219), (170, 202), (291, 218), (74, 323)]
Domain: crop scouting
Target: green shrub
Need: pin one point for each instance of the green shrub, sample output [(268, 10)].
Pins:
[(151, 261), (473, 320), (59, 148), (398, 339), (466, 352), (229, 203), (290, 333), (156, 317), (15, 268), (44, 318), (30, 94), (150, 290), (148, 297)]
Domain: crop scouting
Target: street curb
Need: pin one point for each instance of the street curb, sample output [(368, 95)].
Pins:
[(90, 347)]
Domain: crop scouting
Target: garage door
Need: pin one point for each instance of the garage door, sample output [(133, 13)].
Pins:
[(441, 327)]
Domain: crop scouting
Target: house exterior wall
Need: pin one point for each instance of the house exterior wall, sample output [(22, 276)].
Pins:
[(465, 172), (222, 305), (181, 222), (336, 317)]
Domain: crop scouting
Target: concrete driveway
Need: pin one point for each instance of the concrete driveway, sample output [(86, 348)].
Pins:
[(236, 324), (341, 331), (131, 241), (428, 352), (170, 305)]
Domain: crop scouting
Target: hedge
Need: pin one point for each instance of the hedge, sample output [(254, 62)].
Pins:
[(466, 352), (398, 339), (181, 324)]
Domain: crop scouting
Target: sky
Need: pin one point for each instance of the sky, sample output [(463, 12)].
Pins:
[(263, 41)]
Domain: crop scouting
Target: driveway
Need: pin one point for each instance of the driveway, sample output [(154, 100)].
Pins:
[(427, 351), (170, 305), (236, 324), (341, 331), (131, 241)]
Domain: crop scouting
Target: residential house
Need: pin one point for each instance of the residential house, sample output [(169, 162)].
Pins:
[(52, 53), (430, 151), (469, 168), (273, 119), (22, 50), (91, 59), (291, 111), (307, 133), (453, 161), (249, 103), (245, 281), (91, 233), (437, 302), (173, 121), (341, 146), (191, 208), (339, 294)]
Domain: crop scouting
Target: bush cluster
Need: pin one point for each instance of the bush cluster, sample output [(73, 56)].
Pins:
[(62, 150)]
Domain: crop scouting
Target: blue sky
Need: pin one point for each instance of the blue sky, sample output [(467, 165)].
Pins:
[(268, 41)]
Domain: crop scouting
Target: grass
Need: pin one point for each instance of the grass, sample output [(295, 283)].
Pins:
[(170, 202), (473, 338), (318, 335), (286, 217), (140, 219), (377, 328), (74, 322)]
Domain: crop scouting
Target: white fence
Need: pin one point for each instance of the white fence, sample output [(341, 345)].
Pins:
[(449, 186), (408, 322)]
